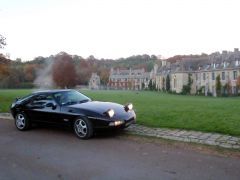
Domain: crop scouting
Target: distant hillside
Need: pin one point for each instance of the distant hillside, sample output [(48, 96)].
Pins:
[(180, 57), (137, 61)]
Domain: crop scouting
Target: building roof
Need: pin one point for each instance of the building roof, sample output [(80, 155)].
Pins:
[(214, 61)]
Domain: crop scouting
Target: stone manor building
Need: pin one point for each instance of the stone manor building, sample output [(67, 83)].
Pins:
[(203, 71), (130, 79), (94, 82)]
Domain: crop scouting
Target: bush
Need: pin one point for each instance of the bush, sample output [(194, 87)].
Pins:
[(26, 85), (186, 89), (200, 91), (172, 92), (23, 85)]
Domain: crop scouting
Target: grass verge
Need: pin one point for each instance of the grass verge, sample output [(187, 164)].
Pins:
[(156, 109)]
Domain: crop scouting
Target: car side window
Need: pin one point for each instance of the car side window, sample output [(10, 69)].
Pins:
[(58, 97), (41, 101), (62, 98)]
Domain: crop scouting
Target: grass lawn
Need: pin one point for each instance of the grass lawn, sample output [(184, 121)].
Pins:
[(163, 110)]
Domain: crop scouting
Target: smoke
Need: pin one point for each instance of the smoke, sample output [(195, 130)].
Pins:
[(44, 78)]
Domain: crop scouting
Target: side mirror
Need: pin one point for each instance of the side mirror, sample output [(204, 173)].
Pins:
[(17, 99), (51, 104)]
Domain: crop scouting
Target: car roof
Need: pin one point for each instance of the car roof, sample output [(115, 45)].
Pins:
[(51, 91)]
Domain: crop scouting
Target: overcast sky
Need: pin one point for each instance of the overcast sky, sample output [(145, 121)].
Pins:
[(118, 28)]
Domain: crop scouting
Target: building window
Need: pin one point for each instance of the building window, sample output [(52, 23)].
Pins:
[(204, 76), (196, 76), (236, 62), (214, 65), (223, 75), (213, 76), (175, 82), (234, 75)]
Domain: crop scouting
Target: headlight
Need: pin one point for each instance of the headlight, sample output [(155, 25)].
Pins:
[(116, 123), (12, 105), (110, 113), (128, 107)]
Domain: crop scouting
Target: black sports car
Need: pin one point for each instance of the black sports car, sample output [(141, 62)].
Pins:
[(70, 107)]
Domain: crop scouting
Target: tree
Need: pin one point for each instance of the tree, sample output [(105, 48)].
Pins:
[(143, 86), (91, 57), (168, 83), (63, 71), (228, 87), (84, 71), (130, 84), (29, 72), (218, 86), (4, 75), (104, 75), (154, 86), (18, 60), (150, 85), (163, 84), (2, 41), (187, 88)]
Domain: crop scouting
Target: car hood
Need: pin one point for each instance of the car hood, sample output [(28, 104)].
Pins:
[(100, 107)]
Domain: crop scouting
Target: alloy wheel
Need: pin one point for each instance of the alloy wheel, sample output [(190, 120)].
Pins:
[(20, 121), (81, 127)]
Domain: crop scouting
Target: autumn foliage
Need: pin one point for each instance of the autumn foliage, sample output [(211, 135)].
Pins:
[(63, 71)]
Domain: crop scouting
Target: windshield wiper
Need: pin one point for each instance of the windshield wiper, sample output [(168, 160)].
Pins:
[(83, 101), (70, 103)]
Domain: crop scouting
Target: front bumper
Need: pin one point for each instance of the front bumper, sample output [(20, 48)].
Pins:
[(122, 123), (114, 123)]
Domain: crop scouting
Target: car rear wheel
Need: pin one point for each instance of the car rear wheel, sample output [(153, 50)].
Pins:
[(22, 122), (83, 128)]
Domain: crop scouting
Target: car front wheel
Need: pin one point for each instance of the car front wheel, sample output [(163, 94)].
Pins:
[(22, 122), (83, 128)]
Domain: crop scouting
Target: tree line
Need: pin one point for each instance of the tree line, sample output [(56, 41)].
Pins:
[(64, 70)]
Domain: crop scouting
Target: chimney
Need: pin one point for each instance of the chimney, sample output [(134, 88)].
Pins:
[(224, 52)]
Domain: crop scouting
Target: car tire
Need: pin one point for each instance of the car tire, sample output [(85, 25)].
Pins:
[(22, 123), (83, 128)]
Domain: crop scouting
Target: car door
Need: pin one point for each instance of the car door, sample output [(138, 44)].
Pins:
[(43, 108), (66, 114)]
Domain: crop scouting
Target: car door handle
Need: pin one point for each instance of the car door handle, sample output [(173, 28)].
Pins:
[(37, 107)]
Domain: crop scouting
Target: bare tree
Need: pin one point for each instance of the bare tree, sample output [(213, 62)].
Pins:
[(2, 42)]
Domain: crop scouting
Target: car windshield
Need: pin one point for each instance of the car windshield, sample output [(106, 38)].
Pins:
[(70, 97), (24, 98)]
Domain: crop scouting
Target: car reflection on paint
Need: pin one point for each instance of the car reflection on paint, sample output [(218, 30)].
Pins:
[(70, 107)]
